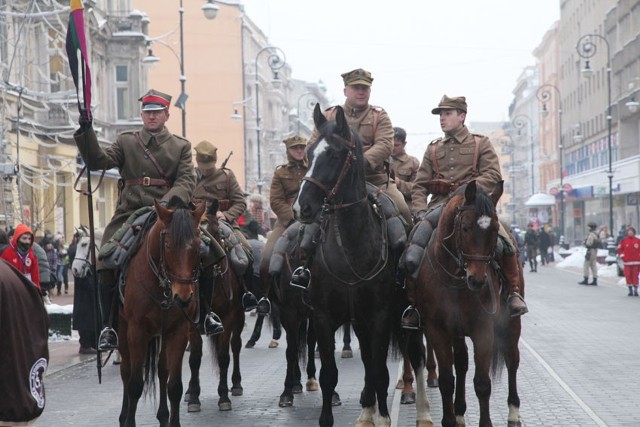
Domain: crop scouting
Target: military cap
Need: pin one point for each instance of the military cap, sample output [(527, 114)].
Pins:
[(206, 154), (357, 77), (454, 103), (294, 140), (155, 101), (592, 225)]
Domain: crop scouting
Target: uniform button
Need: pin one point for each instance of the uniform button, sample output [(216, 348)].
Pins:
[(451, 168), (451, 148), (451, 159)]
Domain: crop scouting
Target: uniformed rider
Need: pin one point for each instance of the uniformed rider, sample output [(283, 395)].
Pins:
[(221, 184), (284, 190), (449, 162), (154, 165), (403, 166), (373, 125)]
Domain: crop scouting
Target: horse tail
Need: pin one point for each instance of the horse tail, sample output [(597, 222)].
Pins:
[(501, 339), (399, 337), (151, 367)]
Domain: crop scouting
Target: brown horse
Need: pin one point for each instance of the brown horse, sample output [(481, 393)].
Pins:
[(459, 295), (226, 302), (158, 306)]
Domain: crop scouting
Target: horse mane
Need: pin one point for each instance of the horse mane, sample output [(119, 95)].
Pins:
[(181, 227)]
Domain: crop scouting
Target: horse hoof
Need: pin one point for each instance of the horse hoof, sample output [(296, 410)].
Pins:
[(297, 389), (236, 391), (224, 406), (186, 397), (365, 424), (424, 423), (193, 407), (400, 384), (285, 401), (312, 385), (347, 354), (335, 400), (408, 398), (432, 383)]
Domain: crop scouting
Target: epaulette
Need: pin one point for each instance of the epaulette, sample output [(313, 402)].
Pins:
[(435, 141), (330, 108), (479, 135), (180, 137), (376, 108), (280, 166), (126, 132)]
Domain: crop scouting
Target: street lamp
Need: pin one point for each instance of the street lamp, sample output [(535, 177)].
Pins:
[(544, 95), (586, 49), (518, 123), (309, 105), (276, 61)]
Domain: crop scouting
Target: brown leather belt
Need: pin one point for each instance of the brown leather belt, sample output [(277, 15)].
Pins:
[(148, 182), (224, 205)]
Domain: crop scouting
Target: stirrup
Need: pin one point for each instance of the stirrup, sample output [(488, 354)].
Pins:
[(298, 276), (108, 339), (409, 317), (212, 324), (519, 311), (249, 301), (264, 306)]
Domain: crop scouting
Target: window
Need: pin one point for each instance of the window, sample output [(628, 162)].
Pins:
[(122, 92)]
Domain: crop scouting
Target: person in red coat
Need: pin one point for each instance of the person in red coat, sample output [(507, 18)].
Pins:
[(20, 254), (629, 251)]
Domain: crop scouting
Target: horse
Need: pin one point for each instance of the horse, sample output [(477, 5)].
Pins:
[(158, 307), (352, 273), (459, 295), (226, 302)]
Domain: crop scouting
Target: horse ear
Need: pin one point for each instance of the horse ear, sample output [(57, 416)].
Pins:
[(318, 118), (199, 210), (497, 192), (470, 193), (342, 127), (213, 207), (164, 214)]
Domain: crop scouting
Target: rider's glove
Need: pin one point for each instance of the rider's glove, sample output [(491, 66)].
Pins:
[(85, 120)]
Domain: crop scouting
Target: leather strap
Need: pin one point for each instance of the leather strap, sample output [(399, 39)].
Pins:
[(148, 153), (474, 166), (148, 182)]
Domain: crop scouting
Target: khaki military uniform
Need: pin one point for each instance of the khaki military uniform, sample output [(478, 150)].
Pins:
[(405, 168), (454, 155), (377, 148), (141, 182), (591, 256), (285, 185)]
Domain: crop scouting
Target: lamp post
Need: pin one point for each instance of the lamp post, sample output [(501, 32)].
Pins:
[(518, 123), (307, 95), (586, 49), (544, 95), (276, 61)]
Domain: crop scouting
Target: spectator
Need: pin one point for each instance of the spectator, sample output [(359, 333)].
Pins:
[(544, 241), (52, 258), (592, 243), (629, 251), (622, 233), (531, 240), (45, 273), (4, 240), (258, 213), (20, 254), (603, 234), (552, 244), (84, 313), (63, 264)]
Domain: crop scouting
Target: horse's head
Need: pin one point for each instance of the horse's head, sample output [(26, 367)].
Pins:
[(336, 168), (469, 230), (81, 264), (177, 241)]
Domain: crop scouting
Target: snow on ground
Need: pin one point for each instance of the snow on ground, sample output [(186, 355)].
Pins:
[(59, 309), (576, 260)]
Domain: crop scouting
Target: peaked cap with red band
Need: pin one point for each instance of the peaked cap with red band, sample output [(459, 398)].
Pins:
[(155, 100)]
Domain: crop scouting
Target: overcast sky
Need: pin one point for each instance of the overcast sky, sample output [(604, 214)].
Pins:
[(417, 50)]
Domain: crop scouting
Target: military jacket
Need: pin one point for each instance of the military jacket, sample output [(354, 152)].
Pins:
[(377, 147), (284, 189), (221, 184), (405, 168), (172, 153), (454, 155)]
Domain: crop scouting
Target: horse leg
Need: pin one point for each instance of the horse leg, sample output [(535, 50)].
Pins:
[(222, 349), (236, 345), (408, 395), (461, 364), (512, 360), (136, 350), (442, 347), (379, 352), (482, 353), (415, 355), (312, 383), (369, 348), (192, 395), (163, 375), (286, 398), (432, 375), (125, 371), (347, 353), (175, 347), (328, 371)]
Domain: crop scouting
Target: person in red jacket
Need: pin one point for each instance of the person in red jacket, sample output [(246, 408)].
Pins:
[(629, 251), (20, 254)]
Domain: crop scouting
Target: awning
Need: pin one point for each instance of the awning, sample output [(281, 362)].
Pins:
[(541, 199)]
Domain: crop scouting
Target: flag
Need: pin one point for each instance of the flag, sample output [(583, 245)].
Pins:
[(76, 46)]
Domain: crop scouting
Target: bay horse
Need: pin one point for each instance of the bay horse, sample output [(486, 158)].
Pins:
[(352, 273), (159, 306), (226, 302), (458, 294)]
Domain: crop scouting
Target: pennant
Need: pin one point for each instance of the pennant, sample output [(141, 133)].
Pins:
[(76, 46)]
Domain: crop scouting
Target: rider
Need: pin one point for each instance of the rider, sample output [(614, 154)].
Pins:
[(284, 189), (154, 165), (221, 184), (403, 166), (373, 125), (449, 162)]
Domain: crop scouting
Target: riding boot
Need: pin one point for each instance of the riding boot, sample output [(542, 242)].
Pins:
[(595, 282), (212, 324), (410, 318), (108, 339), (512, 276), (630, 294), (585, 281)]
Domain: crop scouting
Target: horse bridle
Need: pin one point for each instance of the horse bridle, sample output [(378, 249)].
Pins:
[(462, 257)]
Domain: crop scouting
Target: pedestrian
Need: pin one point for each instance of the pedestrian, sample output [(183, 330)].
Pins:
[(544, 242), (448, 163), (154, 165), (531, 239), (84, 313), (4, 240), (52, 259), (603, 235), (403, 166), (63, 263), (629, 251), (220, 183), (283, 192), (258, 212), (20, 254), (47, 282), (592, 243)]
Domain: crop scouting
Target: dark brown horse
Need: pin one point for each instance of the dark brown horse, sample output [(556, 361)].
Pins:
[(158, 306), (226, 302), (459, 295)]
